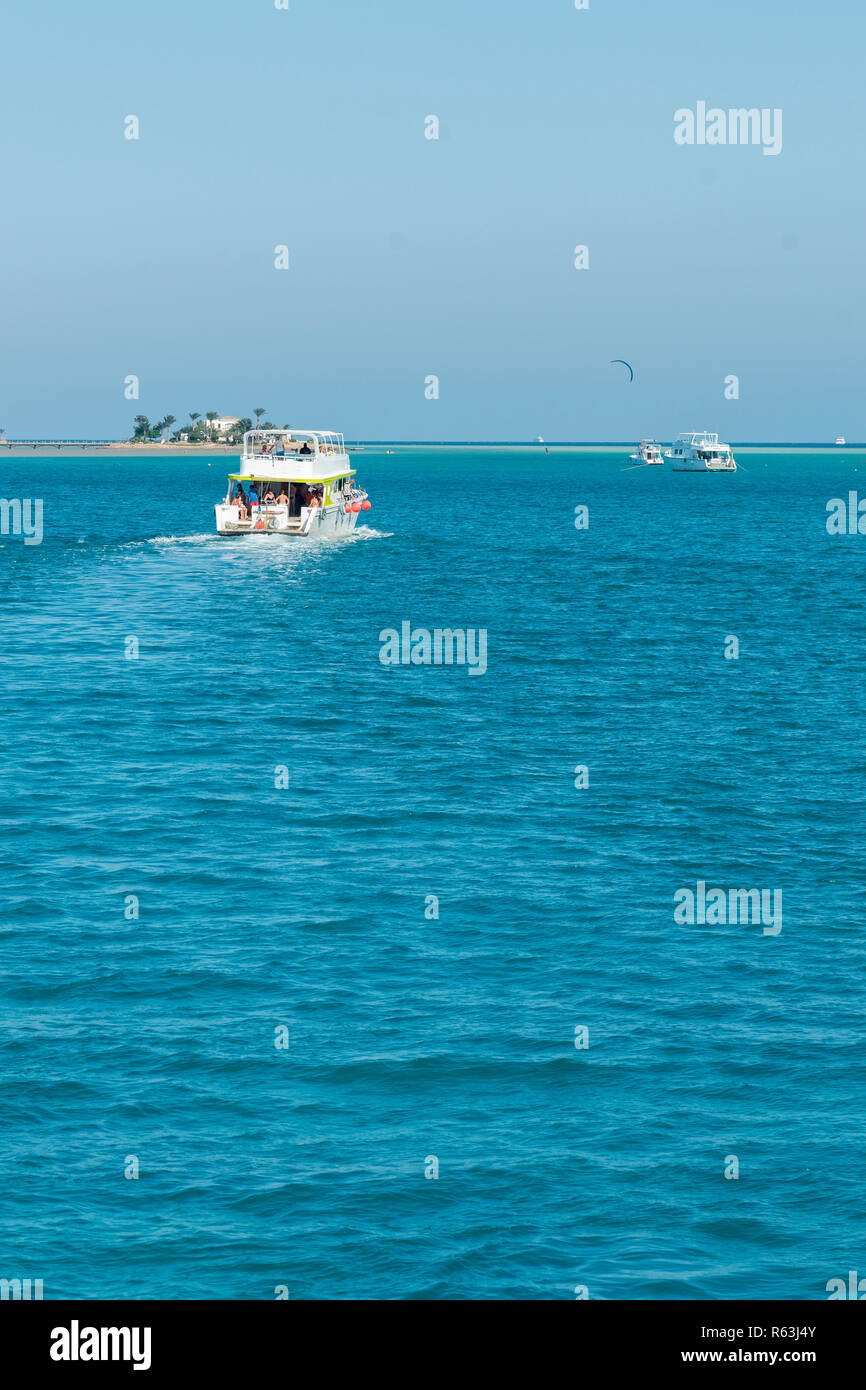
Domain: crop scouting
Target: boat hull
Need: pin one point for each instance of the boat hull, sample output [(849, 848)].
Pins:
[(705, 467), (314, 522)]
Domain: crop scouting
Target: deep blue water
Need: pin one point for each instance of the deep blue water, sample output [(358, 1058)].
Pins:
[(413, 1037)]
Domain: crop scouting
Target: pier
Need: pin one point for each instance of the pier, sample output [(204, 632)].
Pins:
[(57, 443)]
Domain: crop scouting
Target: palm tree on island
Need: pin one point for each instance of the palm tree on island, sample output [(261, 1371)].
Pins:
[(200, 429)]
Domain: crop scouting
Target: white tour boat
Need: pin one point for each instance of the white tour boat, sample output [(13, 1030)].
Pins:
[(649, 451), (292, 483), (841, 439), (700, 452)]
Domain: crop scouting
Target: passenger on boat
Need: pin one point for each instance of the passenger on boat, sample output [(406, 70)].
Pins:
[(254, 496), (305, 448), (269, 495), (283, 498), (241, 503)]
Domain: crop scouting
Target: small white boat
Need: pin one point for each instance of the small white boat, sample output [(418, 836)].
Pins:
[(841, 439), (649, 451), (701, 452), (292, 483)]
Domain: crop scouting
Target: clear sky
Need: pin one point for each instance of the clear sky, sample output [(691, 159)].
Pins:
[(412, 257)]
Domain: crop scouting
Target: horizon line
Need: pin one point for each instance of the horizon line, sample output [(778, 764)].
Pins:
[(517, 443)]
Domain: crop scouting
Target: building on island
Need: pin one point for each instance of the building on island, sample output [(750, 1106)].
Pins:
[(224, 424)]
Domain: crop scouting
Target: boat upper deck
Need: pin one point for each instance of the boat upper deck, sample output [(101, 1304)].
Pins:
[(294, 455), (700, 438)]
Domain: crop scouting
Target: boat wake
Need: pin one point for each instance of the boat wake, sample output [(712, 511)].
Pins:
[(273, 538), (366, 533), (180, 540), (255, 541)]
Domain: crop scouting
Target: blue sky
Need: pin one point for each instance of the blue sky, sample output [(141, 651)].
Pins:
[(412, 257)]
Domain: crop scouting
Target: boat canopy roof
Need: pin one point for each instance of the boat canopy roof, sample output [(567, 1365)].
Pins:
[(700, 437), (283, 475), (323, 439)]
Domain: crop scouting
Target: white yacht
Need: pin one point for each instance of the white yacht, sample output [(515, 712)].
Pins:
[(649, 451), (294, 483), (701, 452), (841, 439)]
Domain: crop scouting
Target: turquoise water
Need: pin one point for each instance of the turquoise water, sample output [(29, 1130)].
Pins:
[(410, 1036)]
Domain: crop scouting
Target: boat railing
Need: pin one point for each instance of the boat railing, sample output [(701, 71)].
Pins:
[(289, 454), (293, 455)]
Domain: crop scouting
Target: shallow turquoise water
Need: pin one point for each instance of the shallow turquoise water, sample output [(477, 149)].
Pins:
[(305, 907)]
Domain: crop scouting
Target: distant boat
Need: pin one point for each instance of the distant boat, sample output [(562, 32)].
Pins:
[(649, 451), (841, 439), (540, 439), (700, 452)]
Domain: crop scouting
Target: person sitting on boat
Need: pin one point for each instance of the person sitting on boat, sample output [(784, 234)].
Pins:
[(269, 495), (283, 498), (305, 447), (241, 503)]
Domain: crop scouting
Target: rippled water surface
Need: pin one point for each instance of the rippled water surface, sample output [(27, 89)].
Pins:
[(413, 1037)]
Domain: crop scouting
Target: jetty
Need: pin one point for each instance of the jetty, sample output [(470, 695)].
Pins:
[(57, 443)]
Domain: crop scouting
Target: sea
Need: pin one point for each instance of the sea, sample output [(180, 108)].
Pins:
[(326, 976)]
